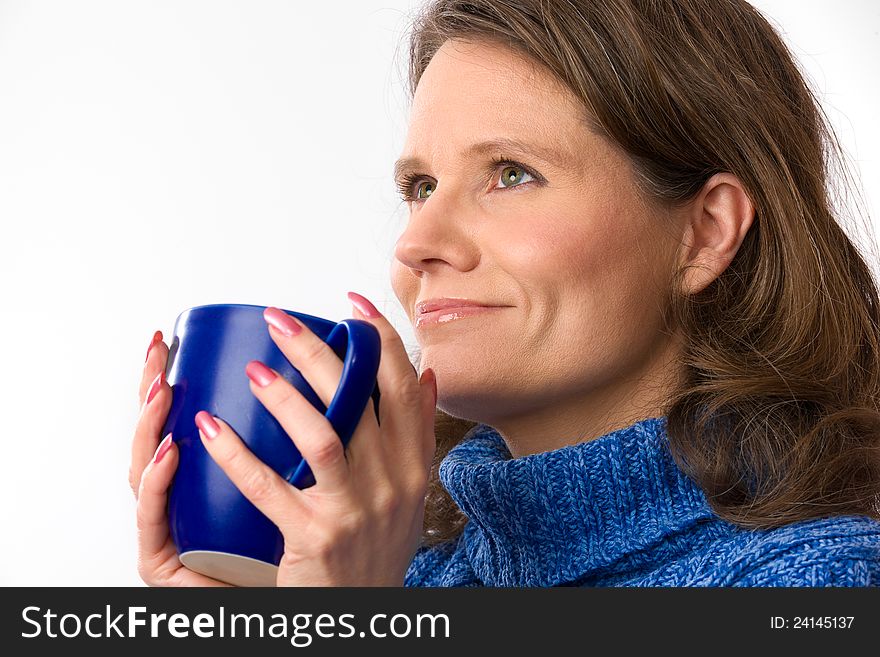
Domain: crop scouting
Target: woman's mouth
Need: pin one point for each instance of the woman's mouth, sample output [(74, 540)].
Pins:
[(451, 314)]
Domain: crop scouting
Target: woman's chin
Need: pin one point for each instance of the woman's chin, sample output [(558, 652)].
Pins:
[(472, 402)]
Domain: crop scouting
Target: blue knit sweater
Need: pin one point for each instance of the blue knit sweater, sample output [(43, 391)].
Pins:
[(617, 511)]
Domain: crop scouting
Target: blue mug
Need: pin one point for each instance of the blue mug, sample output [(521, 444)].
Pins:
[(216, 529)]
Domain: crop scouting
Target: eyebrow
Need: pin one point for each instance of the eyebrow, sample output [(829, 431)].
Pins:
[(547, 154)]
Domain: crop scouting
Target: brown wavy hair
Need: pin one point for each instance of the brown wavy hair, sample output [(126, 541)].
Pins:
[(777, 417)]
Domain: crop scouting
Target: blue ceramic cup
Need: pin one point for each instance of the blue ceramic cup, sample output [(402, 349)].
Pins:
[(217, 531)]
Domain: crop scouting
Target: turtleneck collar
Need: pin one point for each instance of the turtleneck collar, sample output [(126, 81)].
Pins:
[(553, 517)]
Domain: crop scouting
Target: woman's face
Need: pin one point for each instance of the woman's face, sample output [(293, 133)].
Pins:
[(515, 203)]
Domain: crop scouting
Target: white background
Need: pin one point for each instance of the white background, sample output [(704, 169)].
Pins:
[(160, 155)]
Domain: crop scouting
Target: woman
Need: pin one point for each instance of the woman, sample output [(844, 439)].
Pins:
[(668, 373)]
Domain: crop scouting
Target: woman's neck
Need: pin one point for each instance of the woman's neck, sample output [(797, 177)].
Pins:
[(581, 417)]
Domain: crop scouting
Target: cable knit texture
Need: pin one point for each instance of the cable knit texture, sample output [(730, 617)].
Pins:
[(617, 511)]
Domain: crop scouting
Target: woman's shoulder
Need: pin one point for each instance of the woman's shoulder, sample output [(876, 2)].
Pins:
[(830, 551), (441, 564)]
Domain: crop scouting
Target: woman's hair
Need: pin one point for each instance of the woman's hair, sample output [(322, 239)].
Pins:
[(776, 418)]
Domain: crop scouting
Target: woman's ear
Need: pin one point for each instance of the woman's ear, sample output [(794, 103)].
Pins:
[(716, 222)]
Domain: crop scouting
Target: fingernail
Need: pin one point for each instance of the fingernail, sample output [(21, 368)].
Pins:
[(428, 374), (155, 386), (361, 303), (157, 337), (282, 321), (162, 449), (206, 423), (259, 373)]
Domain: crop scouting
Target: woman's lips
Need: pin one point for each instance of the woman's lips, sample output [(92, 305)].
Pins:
[(446, 315)]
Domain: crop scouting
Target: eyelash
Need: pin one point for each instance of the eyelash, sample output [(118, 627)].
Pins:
[(408, 181)]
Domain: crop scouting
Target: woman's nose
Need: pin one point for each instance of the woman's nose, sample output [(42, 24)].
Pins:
[(434, 235)]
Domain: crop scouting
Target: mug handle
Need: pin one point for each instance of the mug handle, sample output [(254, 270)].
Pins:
[(362, 345)]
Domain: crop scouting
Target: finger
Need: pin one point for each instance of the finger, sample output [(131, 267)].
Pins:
[(365, 453), (368, 456), (308, 353), (274, 497), (152, 518), (310, 431), (401, 400), (154, 412), (157, 356), (428, 380)]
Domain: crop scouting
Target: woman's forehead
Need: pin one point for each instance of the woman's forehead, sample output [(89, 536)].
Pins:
[(474, 93), (490, 76)]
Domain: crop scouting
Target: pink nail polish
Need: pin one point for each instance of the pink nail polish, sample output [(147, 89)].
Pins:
[(259, 373), (163, 448), (363, 304), (206, 423), (282, 321), (157, 337), (434, 384), (156, 386)]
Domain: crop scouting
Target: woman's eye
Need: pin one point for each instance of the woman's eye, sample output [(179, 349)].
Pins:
[(416, 187), (512, 176)]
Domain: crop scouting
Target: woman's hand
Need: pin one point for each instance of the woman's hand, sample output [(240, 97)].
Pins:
[(361, 522), (152, 467)]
